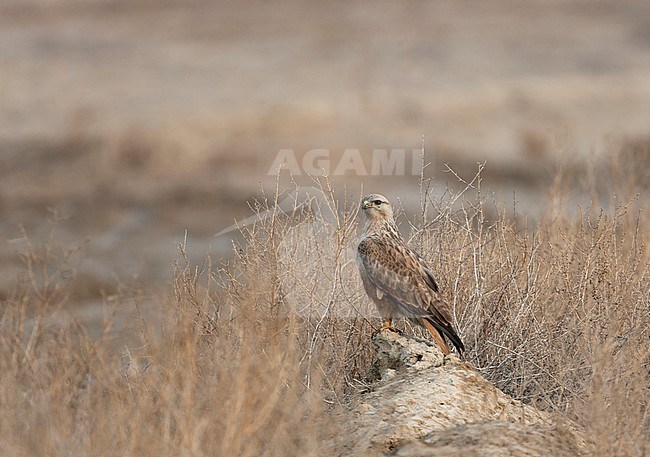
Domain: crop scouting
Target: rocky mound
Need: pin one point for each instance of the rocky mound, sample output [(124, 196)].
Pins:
[(425, 404)]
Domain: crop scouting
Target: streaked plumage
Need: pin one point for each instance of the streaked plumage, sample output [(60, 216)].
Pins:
[(397, 279)]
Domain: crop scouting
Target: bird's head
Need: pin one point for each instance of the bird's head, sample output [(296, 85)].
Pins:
[(376, 207)]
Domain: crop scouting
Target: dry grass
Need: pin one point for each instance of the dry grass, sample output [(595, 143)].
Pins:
[(557, 315), (62, 392), (261, 355)]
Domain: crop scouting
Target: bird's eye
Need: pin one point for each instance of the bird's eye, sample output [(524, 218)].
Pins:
[(377, 202)]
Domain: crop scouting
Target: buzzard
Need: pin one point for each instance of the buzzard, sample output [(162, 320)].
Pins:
[(397, 279)]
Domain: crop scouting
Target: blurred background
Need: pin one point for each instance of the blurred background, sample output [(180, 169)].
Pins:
[(136, 121)]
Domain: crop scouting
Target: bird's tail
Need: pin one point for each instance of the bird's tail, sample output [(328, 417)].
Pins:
[(438, 330)]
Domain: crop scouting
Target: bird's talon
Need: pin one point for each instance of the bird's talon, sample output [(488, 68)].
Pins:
[(387, 327)]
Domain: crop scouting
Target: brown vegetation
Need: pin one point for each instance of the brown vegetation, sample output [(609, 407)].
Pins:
[(263, 355)]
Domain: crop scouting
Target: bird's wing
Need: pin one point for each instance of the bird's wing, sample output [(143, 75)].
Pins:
[(431, 282), (400, 273)]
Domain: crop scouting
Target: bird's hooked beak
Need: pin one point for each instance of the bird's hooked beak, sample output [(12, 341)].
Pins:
[(365, 204)]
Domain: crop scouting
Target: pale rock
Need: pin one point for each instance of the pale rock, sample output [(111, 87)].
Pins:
[(427, 404)]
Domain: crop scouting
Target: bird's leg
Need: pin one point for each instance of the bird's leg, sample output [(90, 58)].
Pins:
[(388, 325)]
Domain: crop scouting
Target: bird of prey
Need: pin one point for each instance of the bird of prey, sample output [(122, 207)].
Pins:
[(397, 279)]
